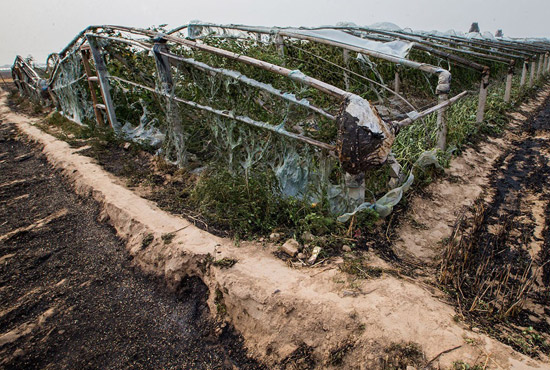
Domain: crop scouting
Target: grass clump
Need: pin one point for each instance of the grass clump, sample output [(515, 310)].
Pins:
[(147, 240), (168, 237)]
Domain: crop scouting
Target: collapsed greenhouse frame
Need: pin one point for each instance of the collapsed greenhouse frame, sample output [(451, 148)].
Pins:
[(355, 152)]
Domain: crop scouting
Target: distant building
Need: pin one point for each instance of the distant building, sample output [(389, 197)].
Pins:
[(499, 33), (474, 27)]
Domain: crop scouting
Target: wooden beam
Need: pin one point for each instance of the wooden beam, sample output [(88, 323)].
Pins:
[(85, 53), (103, 75)]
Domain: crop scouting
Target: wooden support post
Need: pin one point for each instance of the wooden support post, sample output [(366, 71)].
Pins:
[(523, 73), (280, 46), (547, 59), (356, 188), (539, 70), (85, 53), (533, 67), (346, 65), (103, 75), (165, 84), (484, 86), (509, 78), (397, 81), (442, 123)]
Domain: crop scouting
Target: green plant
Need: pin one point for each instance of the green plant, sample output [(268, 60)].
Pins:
[(147, 240), (168, 237), (225, 262)]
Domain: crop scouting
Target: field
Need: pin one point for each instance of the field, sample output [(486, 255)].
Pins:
[(322, 223)]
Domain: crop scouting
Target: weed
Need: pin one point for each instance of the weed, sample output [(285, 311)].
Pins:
[(400, 355), (461, 365), (337, 354), (225, 262), (168, 237), (221, 308), (358, 267), (147, 240)]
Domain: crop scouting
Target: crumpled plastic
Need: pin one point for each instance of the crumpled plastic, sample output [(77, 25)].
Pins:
[(384, 206)]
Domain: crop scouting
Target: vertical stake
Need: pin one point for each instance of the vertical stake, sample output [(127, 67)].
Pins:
[(280, 46), (523, 73), (165, 84), (103, 75), (509, 77), (442, 123), (484, 86), (533, 66), (346, 64), (539, 70), (397, 81)]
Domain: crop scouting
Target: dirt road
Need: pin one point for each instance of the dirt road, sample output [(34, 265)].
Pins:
[(69, 297)]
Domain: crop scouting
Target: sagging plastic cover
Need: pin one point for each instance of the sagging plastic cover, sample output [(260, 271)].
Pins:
[(395, 48)]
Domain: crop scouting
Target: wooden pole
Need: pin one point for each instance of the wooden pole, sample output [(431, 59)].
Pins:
[(443, 90), (442, 122), (484, 86), (279, 42), (165, 84), (86, 63), (397, 81), (539, 70), (523, 73), (103, 75), (509, 77)]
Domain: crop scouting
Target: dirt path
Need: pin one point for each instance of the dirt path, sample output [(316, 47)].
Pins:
[(69, 297)]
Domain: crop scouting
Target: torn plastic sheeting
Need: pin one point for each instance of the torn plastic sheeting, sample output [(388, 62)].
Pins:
[(384, 206), (395, 48), (145, 132)]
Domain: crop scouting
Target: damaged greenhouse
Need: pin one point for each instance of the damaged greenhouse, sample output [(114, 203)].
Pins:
[(335, 115)]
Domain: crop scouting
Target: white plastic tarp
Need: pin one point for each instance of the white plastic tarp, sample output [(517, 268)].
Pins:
[(394, 48)]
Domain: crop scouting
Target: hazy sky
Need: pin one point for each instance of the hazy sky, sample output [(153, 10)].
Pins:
[(32, 27)]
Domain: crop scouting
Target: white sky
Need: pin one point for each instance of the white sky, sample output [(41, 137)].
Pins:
[(33, 27)]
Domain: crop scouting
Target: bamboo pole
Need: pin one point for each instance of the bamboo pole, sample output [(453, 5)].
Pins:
[(232, 74), (103, 75), (414, 116), (294, 75), (375, 54), (231, 115), (484, 86)]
